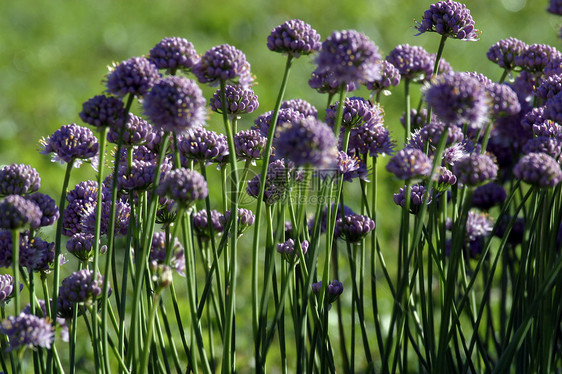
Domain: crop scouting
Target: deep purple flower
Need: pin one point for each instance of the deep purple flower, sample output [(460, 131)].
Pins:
[(158, 252), (36, 254), (280, 177), (249, 145), (294, 37), (85, 190), (534, 116), (301, 106), (122, 215), (173, 53), (488, 196), (202, 145), (538, 169), (307, 142), (81, 287), (287, 250), (549, 87), (140, 174), (356, 111), (504, 101), (535, 57), (16, 212), (544, 144), (505, 51), (74, 213), (372, 138), (328, 82), (555, 7), (184, 186), (49, 209), (103, 111), (354, 227), (417, 195), (239, 100), (246, 218), (445, 179), (409, 163), (201, 223), (223, 63), (175, 104), (81, 245), (553, 108), (28, 330), (554, 67), (548, 128), (286, 115), (430, 134), (475, 169), (414, 63), (457, 98), (136, 132), (449, 18), (6, 287), (71, 143), (334, 289), (389, 76), (18, 179), (350, 56), (133, 76)]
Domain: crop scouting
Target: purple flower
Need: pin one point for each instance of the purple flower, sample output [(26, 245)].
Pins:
[(478, 225), (445, 179), (475, 169), (158, 252), (554, 67), (287, 250), (136, 132), (103, 111), (286, 115), (294, 37), (505, 51), (307, 142), (417, 119), (81, 287), (334, 289), (201, 224), (549, 87), (534, 116), (504, 101), (409, 163), (356, 111), (86, 190), (347, 165), (553, 108), (389, 76), (548, 128), (49, 209), (36, 254), (74, 214), (449, 18), (28, 330), (372, 138), (249, 145), (354, 227), (173, 53), (223, 63), (430, 135), (417, 194), (538, 169), (488, 196), (122, 215), (71, 143), (280, 177), (184, 186), (555, 7), (202, 145), (328, 82), (133, 76), (81, 246), (16, 212), (414, 63), (245, 219), (6, 287), (544, 144), (535, 57), (350, 56), (18, 179), (43, 313), (140, 174), (239, 100), (301, 106), (175, 104), (457, 98)]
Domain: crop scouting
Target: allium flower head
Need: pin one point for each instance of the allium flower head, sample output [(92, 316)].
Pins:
[(478, 225), (81, 246), (202, 145), (239, 100), (409, 163), (301, 106), (18, 179), (287, 250), (307, 142), (555, 7), (133, 76), (249, 144), (6, 288), (139, 175), (223, 63), (286, 115), (279, 179), (356, 111), (103, 111), (538, 169), (122, 216), (71, 143), (475, 169), (534, 116), (158, 251), (173, 53), (354, 227), (430, 134), (488, 196), (347, 166), (370, 138), (351, 56), (294, 37), (417, 195), (28, 331), (136, 132), (334, 289), (449, 18), (201, 223), (553, 108), (329, 82), (445, 179), (504, 101), (175, 104), (16, 212), (246, 218), (414, 63), (49, 210), (549, 87), (544, 144), (389, 76), (457, 98), (536, 57), (504, 52), (81, 287), (554, 67), (184, 186), (548, 128), (36, 254)]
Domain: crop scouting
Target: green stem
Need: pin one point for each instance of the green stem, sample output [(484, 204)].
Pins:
[(148, 338), (16, 265)]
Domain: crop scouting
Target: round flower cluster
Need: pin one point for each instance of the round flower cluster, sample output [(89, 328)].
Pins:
[(103, 111), (158, 252), (544, 144), (505, 51), (409, 163), (356, 111), (445, 179), (16, 212), (417, 195), (286, 115), (475, 169), (478, 225), (80, 200), (36, 254), (203, 145), (538, 169), (549, 87), (239, 100), (504, 101), (81, 245), (372, 138), (134, 76), (184, 186), (49, 210), (354, 227), (18, 179), (71, 143), (389, 76), (488, 196), (122, 215), (535, 57), (294, 37), (249, 145), (201, 224), (414, 63), (287, 250), (301, 106), (279, 179), (173, 53), (81, 287), (328, 82), (28, 331), (246, 218), (223, 63), (334, 289), (449, 18), (6, 288), (136, 132)]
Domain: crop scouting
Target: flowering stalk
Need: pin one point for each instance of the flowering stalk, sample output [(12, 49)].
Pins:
[(16, 266)]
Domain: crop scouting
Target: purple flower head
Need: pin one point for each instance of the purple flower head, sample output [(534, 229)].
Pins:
[(16, 212), (417, 194), (202, 145), (122, 215), (301, 106), (239, 100), (71, 143), (249, 145), (488, 196), (86, 190), (136, 132), (414, 63), (445, 179), (224, 63), (449, 18), (294, 37), (81, 246), (544, 144), (505, 51), (201, 224), (133, 76), (548, 128), (184, 186), (356, 112), (538, 169), (417, 119), (457, 98), (554, 67), (553, 108), (334, 289), (534, 116), (328, 82), (158, 252), (307, 142), (555, 7), (549, 87), (504, 101), (409, 163), (475, 169), (81, 287), (354, 227), (429, 135), (6, 288), (347, 166), (389, 76), (49, 209), (43, 313), (173, 53), (287, 250), (175, 104), (140, 175), (372, 138), (286, 115), (246, 218), (103, 111), (74, 214), (280, 177), (28, 331), (478, 225), (350, 56), (535, 57), (18, 179), (36, 254), (347, 211)]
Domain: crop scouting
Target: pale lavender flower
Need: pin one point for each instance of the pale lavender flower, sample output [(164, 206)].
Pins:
[(356, 112), (301, 106), (28, 330), (504, 101), (475, 169), (246, 218), (409, 163), (414, 63), (535, 57), (389, 77), (538, 169), (286, 115), (158, 252), (328, 82), (544, 144)]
